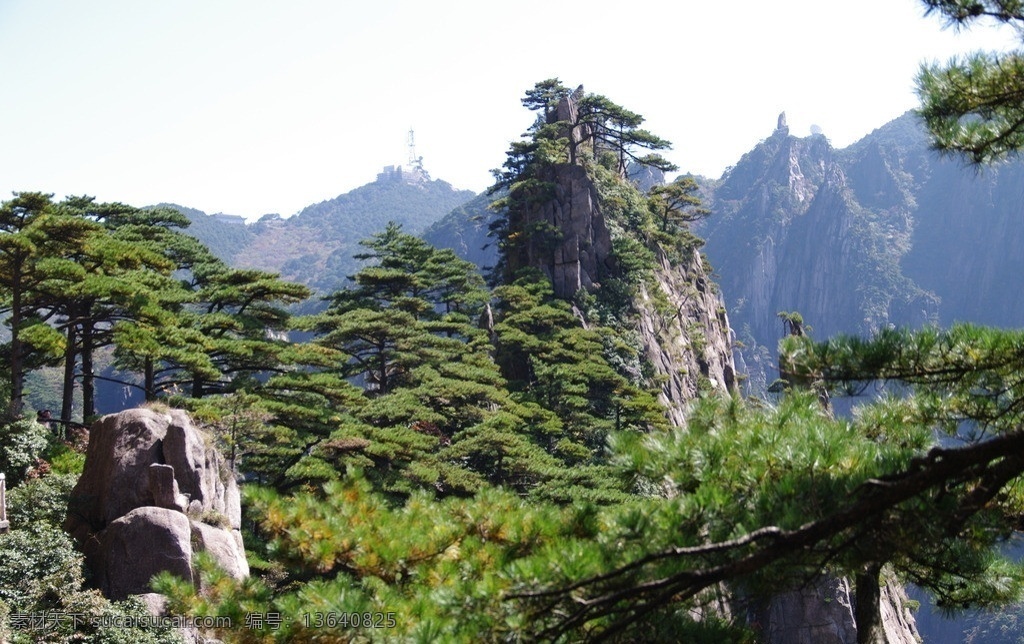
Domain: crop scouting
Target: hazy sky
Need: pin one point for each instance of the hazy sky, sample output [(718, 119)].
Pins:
[(249, 107)]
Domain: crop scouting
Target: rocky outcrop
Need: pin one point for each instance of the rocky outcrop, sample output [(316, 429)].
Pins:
[(686, 337), (581, 256), (566, 235), (822, 612), (563, 231), (798, 227), (154, 492), (897, 619)]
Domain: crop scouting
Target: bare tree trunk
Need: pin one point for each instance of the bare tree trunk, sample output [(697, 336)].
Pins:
[(868, 614), (67, 402), (149, 376), (88, 382)]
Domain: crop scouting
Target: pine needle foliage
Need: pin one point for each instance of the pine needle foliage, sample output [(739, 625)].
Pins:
[(974, 105)]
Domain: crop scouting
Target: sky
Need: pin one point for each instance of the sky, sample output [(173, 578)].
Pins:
[(250, 107)]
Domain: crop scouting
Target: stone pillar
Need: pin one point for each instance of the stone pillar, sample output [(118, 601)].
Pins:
[(5, 525)]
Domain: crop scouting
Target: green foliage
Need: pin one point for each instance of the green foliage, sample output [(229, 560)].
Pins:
[(40, 500), (966, 382), (39, 568), (445, 570), (22, 442), (974, 105), (436, 566), (436, 412), (677, 203), (65, 459), (464, 567)]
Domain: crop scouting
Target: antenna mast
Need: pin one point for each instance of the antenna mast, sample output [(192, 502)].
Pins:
[(415, 162)]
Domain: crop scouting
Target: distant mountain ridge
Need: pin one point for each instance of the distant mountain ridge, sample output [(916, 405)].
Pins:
[(316, 246), (881, 233)]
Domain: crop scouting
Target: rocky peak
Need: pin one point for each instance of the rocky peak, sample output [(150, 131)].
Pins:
[(782, 128), (575, 248)]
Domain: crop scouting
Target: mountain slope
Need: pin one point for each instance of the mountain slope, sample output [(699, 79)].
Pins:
[(789, 232), (316, 246)]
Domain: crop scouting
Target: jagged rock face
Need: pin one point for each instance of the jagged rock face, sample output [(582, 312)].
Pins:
[(565, 233), (582, 254), (823, 613), (884, 232), (791, 232), (689, 342), (567, 237), (820, 613), (150, 481)]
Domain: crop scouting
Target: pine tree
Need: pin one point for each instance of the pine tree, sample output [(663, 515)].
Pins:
[(435, 411), (974, 105)]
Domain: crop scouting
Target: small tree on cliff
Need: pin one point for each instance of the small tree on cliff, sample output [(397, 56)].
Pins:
[(677, 204)]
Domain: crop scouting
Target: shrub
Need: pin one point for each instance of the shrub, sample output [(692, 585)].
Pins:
[(21, 443), (38, 568), (40, 500)]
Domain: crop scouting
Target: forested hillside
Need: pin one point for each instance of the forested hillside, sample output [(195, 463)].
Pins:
[(556, 451), (315, 247)]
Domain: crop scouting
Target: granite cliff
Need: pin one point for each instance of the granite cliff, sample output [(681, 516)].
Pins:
[(882, 233), (791, 232)]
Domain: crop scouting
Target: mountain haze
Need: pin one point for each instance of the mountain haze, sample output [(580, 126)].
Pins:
[(882, 233)]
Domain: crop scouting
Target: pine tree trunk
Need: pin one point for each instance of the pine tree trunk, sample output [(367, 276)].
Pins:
[(67, 402), (17, 349), (149, 376), (868, 614), (88, 382)]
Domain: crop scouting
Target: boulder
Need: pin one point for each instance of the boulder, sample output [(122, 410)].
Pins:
[(137, 546), (154, 491), (223, 545)]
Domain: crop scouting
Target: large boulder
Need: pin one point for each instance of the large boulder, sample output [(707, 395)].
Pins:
[(137, 546), (154, 492)]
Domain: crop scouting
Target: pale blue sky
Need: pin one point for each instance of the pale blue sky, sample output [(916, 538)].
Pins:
[(253, 106)]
